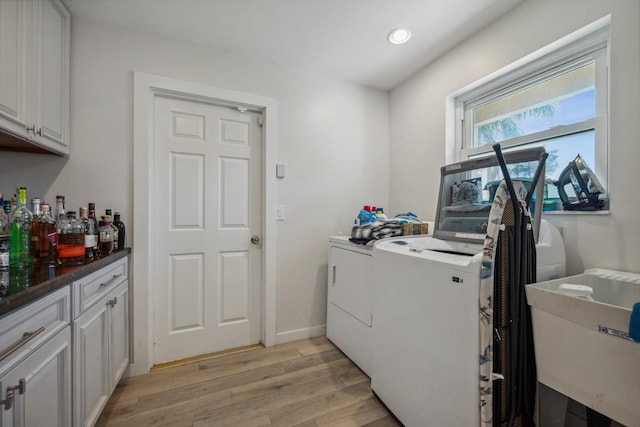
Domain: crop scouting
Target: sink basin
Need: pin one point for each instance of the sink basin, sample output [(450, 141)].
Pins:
[(582, 345)]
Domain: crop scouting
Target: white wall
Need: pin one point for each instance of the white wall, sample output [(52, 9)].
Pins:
[(332, 135), (417, 147)]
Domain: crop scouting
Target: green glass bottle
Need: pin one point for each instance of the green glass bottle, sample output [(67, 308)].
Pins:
[(20, 220), (4, 237)]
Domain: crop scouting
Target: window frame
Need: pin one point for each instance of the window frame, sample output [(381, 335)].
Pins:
[(588, 44)]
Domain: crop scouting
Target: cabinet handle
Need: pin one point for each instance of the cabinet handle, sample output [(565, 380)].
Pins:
[(26, 337), (33, 129), (110, 281), (333, 282), (8, 402)]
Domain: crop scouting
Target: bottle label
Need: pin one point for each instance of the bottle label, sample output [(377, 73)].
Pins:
[(4, 251), (89, 240)]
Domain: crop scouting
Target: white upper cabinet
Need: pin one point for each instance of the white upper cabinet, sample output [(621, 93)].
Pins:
[(34, 73), (13, 31)]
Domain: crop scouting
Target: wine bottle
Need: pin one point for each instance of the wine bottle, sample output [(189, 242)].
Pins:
[(96, 229), (89, 235), (34, 229), (121, 230), (4, 237)]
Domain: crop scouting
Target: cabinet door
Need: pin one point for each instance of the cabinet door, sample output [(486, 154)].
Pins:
[(13, 74), (119, 323), (41, 386), (91, 363), (50, 75)]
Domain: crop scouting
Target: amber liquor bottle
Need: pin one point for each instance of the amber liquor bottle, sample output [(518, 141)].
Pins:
[(71, 241)]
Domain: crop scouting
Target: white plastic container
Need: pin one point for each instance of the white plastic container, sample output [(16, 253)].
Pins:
[(582, 346)]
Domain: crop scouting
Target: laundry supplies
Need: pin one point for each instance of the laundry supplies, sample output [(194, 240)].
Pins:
[(634, 323)]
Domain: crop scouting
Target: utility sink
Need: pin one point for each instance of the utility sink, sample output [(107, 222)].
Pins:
[(582, 345)]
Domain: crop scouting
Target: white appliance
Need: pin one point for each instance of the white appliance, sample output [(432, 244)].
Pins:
[(425, 358), (350, 300), (425, 365)]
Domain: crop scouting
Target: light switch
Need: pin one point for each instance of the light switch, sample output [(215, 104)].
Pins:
[(280, 213), (280, 170)]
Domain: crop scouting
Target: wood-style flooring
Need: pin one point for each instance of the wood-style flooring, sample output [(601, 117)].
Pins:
[(304, 383)]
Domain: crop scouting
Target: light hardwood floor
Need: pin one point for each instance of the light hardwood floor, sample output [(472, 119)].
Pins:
[(305, 383)]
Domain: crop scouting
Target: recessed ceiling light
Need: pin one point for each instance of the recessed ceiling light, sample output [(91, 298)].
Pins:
[(399, 36)]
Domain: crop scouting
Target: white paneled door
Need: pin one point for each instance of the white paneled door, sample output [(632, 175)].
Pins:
[(207, 220)]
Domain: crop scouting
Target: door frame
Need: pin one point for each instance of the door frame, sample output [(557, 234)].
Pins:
[(145, 88)]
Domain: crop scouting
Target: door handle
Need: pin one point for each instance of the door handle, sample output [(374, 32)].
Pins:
[(255, 239)]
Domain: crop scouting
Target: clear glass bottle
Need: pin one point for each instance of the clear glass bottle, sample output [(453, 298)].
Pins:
[(4, 236), (106, 237), (96, 229), (121, 230), (20, 220), (107, 213), (47, 236), (34, 243), (71, 241), (89, 236), (60, 214)]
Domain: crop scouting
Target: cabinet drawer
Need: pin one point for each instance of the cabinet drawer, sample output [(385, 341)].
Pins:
[(90, 289), (24, 330)]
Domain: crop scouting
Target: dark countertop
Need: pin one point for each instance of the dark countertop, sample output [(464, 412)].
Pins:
[(27, 286)]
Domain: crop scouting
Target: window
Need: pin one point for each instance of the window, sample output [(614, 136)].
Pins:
[(557, 101)]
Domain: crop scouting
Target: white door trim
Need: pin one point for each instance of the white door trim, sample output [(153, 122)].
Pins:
[(145, 88)]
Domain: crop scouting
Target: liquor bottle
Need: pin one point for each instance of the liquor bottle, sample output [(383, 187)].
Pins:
[(121, 230), (4, 237), (47, 236), (7, 207), (34, 230), (96, 229), (4, 282), (109, 219), (106, 237), (71, 241), (20, 220), (89, 236), (61, 213)]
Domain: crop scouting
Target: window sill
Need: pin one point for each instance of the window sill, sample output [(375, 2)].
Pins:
[(600, 212)]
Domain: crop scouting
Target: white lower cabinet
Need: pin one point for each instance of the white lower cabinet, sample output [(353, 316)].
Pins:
[(38, 390), (100, 340), (35, 363)]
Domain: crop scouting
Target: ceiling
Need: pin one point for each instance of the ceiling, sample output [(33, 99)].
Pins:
[(344, 39)]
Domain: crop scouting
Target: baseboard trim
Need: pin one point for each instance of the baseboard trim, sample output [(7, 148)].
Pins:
[(300, 334)]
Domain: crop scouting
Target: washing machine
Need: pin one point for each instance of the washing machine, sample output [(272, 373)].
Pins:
[(425, 352)]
